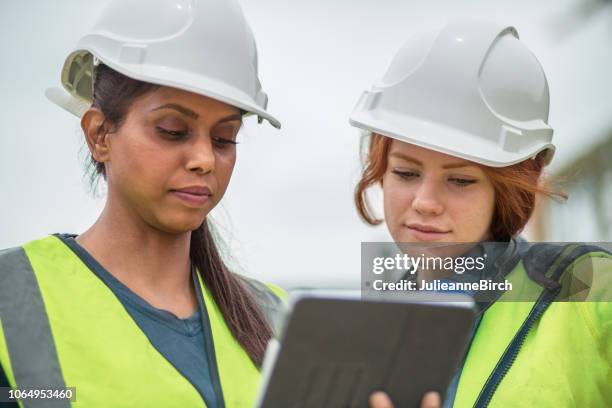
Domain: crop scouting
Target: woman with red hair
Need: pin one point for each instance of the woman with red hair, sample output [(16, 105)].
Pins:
[(458, 139)]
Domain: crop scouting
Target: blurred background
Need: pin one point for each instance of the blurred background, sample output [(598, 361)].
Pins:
[(288, 216)]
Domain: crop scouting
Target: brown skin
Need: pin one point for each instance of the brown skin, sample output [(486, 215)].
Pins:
[(143, 234)]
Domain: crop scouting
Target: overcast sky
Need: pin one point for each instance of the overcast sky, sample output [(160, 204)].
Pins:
[(288, 216)]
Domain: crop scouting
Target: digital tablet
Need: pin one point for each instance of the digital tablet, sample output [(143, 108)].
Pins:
[(336, 348)]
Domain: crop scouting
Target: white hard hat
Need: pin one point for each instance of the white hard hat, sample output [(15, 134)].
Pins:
[(201, 46), (472, 90)]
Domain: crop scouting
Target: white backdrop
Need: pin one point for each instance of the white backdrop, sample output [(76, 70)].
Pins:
[(288, 216)]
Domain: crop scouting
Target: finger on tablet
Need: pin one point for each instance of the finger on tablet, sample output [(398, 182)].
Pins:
[(431, 400), (380, 399)]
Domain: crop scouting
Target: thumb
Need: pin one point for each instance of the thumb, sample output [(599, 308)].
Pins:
[(431, 400), (380, 399)]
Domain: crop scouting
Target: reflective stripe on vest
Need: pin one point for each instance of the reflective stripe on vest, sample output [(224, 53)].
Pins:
[(29, 343), (73, 321)]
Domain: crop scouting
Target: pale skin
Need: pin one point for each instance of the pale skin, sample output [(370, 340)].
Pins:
[(425, 189), (433, 197), (170, 140)]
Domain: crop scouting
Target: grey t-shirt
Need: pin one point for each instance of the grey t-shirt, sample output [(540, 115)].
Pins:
[(185, 343)]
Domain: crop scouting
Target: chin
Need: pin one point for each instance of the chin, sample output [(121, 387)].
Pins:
[(181, 225)]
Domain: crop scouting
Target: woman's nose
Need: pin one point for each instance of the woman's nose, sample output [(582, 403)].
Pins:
[(427, 199), (201, 156)]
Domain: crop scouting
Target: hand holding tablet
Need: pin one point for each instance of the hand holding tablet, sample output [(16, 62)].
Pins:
[(381, 400), (336, 350)]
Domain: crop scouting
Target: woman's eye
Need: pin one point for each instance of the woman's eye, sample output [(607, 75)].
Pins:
[(461, 182), (223, 143), (225, 136), (171, 133), (405, 174)]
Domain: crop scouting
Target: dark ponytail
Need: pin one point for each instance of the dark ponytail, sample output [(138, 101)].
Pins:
[(244, 318), (113, 94)]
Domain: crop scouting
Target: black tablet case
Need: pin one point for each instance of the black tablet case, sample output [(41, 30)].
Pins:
[(335, 353)]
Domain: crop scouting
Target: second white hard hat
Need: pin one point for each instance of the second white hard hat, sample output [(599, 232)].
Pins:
[(201, 46), (472, 90)]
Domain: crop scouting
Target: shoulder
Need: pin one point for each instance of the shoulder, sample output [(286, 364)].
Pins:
[(583, 274), (259, 288), (12, 259), (21, 266), (552, 265), (588, 277), (587, 286), (270, 298), (10, 253), (41, 246)]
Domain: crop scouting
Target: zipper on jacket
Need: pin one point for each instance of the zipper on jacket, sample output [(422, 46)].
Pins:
[(507, 359), (568, 255)]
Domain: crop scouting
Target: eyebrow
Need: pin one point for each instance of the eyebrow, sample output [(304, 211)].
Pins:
[(420, 163), (179, 108), (229, 118), (188, 112)]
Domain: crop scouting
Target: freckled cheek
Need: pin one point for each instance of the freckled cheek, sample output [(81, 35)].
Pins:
[(486, 200), (397, 200), (465, 217), (471, 214)]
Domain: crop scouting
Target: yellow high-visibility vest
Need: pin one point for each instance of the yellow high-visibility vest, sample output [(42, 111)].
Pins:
[(565, 357), (61, 326)]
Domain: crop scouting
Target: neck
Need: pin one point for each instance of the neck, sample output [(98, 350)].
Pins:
[(152, 263)]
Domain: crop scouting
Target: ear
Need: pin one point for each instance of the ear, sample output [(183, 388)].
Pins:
[(96, 134)]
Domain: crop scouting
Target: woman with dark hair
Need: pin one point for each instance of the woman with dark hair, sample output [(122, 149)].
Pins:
[(140, 309), (457, 140)]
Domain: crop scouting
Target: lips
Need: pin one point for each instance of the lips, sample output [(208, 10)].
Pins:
[(193, 195), (425, 232), (195, 190), (427, 228)]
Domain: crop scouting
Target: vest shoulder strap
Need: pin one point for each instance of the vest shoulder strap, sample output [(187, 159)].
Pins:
[(546, 263)]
